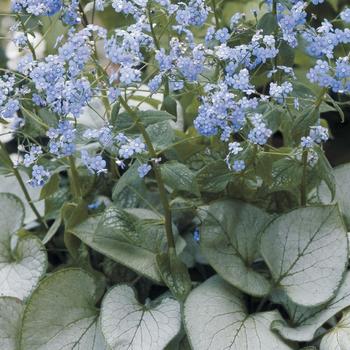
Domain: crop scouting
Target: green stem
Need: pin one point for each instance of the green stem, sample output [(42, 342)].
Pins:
[(22, 185), (217, 21), (75, 178), (303, 196), (157, 173)]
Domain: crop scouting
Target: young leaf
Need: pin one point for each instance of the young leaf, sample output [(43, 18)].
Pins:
[(216, 318), (306, 251), (50, 187), (214, 177), (146, 117), (127, 324), (307, 320), (175, 274), (11, 310), (161, 134), (179, 177), (339, 337), (63, 307), (131, 191), (230, 237), (268, 23), (20, 267)]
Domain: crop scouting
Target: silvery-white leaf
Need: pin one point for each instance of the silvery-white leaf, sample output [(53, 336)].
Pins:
[(306, 251), (216, 318), (61, 314), (127, 324), (341, 175), (338, 338), (230, 237), (10, 184), (308, 320), (11, 310), (21, 266)]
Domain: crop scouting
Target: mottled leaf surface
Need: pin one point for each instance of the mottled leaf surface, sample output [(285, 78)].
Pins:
[(230, 237), (61, 314), (127, 239), (216, 318), (306, 251), (308, 320), (127, 324), (10, 184), (23, 260), (11, 310)]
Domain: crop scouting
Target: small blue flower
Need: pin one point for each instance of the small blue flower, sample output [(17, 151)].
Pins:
[(196, 235), (144, 169)]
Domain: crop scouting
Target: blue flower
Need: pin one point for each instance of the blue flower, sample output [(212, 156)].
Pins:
[(144, 169)]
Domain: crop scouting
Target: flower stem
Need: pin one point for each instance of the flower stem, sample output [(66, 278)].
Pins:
[(303, 191), (157, 173), (22, 185), (74, 175)]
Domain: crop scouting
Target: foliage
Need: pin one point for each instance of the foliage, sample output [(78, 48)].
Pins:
[(163, 177)]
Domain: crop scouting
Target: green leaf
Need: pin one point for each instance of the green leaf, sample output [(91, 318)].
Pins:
[(127, 324), (11, 310), (268, 23), (123, 120), (50, 187), (306, 251), (169, 105), (303, 122), (215, 318), (286, 175), (131, 191), (179, 177), (21, 266), (338, 338), (307, 321), (230, 237), (175, 274), (161, 134), (52, 230), (10, 184), (132, 240), (61, 314), (214, 177)]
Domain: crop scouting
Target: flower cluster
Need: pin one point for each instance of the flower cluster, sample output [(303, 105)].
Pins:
[(62, 139)]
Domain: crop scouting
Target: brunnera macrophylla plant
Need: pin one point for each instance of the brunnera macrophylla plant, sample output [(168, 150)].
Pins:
[(163, 179)]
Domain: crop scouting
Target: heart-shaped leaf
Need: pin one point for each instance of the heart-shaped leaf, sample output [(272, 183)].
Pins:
[(307, 251), (11, 310), (133, 240), (216, 318), (339, 337), (21, 266), (10, 184), (127, 324), (61, 314), (308, 320), (230, 237)]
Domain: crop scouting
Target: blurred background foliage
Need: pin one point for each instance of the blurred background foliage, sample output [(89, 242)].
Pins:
[(46, 30)]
